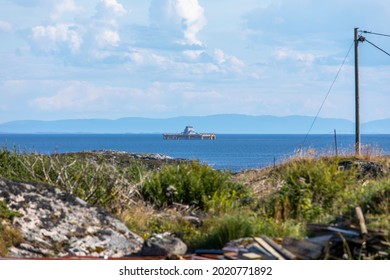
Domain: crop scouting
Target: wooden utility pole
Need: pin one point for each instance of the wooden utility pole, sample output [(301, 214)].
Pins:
[(357, 99)]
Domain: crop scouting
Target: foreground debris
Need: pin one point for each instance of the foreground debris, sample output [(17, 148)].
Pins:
[(339, 241)]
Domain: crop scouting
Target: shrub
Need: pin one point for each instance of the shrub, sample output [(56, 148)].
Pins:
[(311, 188), (227, 228), (11, 166), (192, 184)]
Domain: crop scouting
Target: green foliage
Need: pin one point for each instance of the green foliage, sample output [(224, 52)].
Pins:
[(192, 184), (227, 228), (11, 166), (6, 213), (373, 197), (303, 190), (311, 188)]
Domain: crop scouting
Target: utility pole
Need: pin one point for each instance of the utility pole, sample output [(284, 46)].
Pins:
[(357, 99)]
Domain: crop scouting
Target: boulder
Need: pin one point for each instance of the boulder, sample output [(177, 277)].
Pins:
[(54, 223), (164, 244)]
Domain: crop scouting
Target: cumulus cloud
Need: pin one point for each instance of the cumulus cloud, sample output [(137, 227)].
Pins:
[(184, 18), (64, 7), (87, 40), (110, 7), (108, 38), (56, 38)]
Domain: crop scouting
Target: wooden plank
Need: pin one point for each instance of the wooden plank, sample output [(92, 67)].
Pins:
[(231, 255), (284, 252), (362, 223), (268, 247), (344, 231), (251, 256), (303, 249), (256, 248)]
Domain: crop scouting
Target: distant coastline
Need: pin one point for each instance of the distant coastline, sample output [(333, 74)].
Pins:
[(221, 124)]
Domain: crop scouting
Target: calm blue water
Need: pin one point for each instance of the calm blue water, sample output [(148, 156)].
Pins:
[(233, 152)]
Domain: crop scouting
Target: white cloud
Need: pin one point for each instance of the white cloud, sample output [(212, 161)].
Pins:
[(155, 60), (193, 55), (219, 56), (183, 17), (88, 40), (227, 62), (54, 38), (5, 26), (288, 54), (110, 7), (108, 38), (63, 7)]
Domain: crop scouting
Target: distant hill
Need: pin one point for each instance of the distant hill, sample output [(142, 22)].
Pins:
[(229, 123)]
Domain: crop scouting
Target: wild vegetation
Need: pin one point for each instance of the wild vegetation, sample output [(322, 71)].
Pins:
[(207, 207)]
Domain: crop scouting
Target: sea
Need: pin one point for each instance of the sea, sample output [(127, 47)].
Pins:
[(234, 152)]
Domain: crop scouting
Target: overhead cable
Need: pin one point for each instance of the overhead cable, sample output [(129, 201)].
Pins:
[(374, 33), (376, 46), (330, 89)]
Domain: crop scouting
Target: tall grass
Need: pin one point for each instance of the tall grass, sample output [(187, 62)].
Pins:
[(100, 183)]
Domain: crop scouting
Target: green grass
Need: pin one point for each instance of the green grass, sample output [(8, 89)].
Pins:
[(310, 189), (9, 235)]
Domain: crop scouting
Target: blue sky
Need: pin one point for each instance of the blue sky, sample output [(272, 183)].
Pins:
[(69, 59)]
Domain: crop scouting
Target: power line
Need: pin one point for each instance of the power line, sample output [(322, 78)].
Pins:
[(374, 33), (330, 89), (377, 47)]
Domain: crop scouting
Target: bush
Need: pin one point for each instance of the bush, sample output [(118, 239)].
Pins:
[(191, 184), (311, 189), (11, 166), (227, 228)]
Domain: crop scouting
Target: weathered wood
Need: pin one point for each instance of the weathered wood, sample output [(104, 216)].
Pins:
[(344, 231), (362, 223), (256, 248), (303, 249), (284, 252), (231, 255), (268, 247), (251, 256)]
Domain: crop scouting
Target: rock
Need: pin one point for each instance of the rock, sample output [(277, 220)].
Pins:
[(364, 167), (193, 220), (163, 245), (54, 224)]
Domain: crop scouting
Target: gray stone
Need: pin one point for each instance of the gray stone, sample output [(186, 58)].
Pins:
[(54, 223), (163, 245)]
